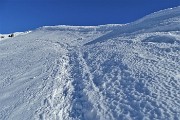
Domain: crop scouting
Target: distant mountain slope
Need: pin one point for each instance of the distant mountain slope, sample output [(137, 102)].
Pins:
[(108, 72), (6, 36)]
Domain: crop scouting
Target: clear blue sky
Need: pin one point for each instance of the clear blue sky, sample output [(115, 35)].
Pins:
[(22, 15)]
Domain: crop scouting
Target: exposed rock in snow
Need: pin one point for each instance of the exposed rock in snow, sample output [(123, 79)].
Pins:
[(6, 36), (109, 72)]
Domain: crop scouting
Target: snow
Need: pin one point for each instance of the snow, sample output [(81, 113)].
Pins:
[(6, 36), (106, 72)]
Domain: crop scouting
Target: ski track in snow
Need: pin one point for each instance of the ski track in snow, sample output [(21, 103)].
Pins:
[(111, 72)]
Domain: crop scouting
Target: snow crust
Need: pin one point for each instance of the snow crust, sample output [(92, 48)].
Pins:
[(107, 72)]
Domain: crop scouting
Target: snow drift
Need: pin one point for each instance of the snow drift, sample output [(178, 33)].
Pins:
[(109, 72)]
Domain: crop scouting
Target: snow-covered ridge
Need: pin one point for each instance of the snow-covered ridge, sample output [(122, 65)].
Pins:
[(70, 26), (6, 36), (160, 14), (82, 28), (109, 72), (164, 20)]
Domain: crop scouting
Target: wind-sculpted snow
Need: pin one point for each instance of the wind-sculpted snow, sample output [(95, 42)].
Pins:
[(109, 72)]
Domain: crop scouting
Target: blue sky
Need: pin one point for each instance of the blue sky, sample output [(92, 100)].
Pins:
[(22, 15)]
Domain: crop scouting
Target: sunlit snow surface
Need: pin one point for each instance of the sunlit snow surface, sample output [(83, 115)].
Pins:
[(6, 36), (109, 72)]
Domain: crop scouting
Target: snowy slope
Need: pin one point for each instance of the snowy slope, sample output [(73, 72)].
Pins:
[(108, 72), (6, 36)]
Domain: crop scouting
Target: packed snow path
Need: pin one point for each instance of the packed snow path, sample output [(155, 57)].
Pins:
[(110, 72)]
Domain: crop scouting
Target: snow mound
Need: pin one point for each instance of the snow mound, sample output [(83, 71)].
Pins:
[(161, 39), (107, 72)]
